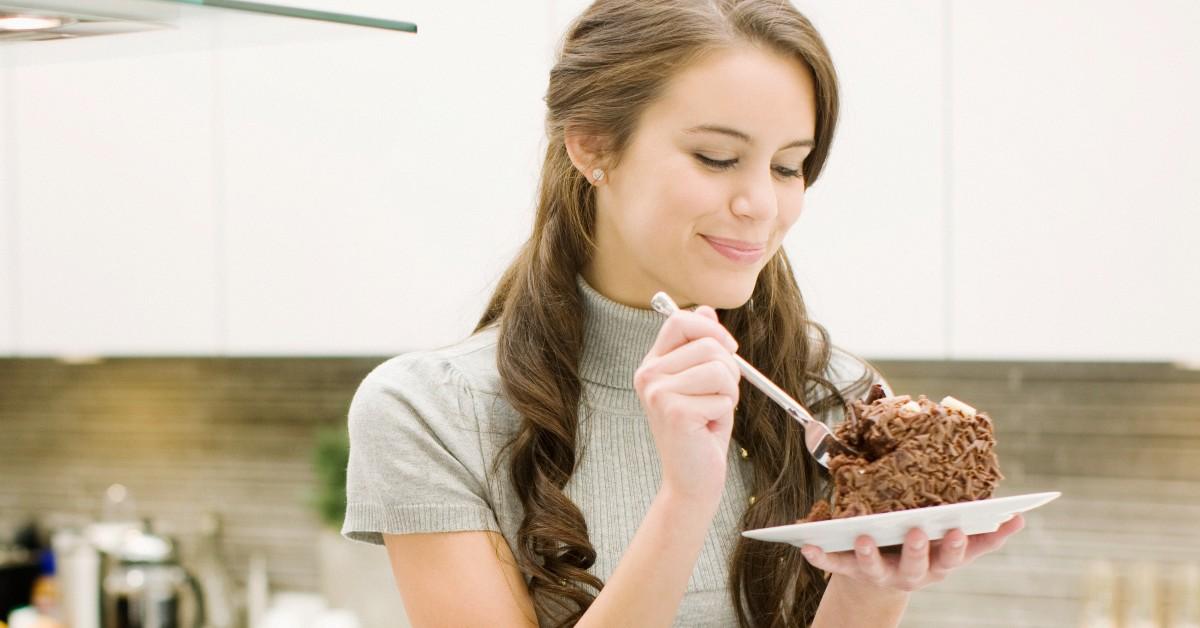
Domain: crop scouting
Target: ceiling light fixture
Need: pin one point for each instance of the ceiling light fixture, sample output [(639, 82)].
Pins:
[(25, 22)]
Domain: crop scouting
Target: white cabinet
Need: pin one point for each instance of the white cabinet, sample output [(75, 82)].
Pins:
[(1074, 172), (8, 239), (375, 188), (320, 156), (339, 196), (1003, 183), (868, 249), (115, 225)]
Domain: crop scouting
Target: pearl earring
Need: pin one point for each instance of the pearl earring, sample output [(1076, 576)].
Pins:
[(597, 174)]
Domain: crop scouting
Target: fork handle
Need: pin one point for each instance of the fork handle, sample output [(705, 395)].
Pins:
[(665, 305), (776, 393)]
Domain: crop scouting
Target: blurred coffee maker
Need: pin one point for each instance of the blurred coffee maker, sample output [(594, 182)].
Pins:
[(142, 584), (118, 574)]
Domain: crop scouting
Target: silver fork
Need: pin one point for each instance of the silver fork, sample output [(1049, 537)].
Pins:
[(818, 438)]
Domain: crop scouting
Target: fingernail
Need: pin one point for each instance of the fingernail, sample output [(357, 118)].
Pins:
[(919, 545), (958, 542), (809, 552), (864, 549)]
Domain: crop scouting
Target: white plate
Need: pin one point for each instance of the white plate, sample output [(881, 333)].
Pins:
[(889, 528)]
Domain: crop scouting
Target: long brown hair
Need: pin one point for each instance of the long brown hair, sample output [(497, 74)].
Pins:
[(616, 59)]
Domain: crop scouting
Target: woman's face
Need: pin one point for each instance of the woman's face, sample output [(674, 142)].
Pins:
[(717, 158)]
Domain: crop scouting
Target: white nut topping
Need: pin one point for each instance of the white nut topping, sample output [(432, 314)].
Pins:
[(910, 409), (954, 404)]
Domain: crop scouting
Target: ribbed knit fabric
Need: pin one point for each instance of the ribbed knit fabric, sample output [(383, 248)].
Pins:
[(427, 427), (615, 487)]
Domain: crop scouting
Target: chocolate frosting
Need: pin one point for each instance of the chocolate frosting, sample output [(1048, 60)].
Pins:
[(913, 456)]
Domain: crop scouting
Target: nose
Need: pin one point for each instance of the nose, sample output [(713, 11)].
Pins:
[(756, 198)]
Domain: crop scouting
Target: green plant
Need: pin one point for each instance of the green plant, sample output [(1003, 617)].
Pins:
[(330, 458)]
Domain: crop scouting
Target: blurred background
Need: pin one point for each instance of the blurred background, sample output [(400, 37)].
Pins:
[(215, 222)]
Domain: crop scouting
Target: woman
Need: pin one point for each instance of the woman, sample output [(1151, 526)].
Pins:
[(579, 460)]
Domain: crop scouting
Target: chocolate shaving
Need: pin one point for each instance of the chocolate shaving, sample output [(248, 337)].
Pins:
[(820, 512), (913, 457), (875, 394)]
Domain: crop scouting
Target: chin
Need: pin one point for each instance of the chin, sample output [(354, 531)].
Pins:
[(728, 293)]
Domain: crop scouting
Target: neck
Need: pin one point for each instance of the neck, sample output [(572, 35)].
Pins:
[(633, 294), (617, 338)]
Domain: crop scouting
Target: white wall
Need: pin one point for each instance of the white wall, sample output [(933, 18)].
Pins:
[(1006, 182), (1074, 169), (114, 203), (874, 230), (8, 238)]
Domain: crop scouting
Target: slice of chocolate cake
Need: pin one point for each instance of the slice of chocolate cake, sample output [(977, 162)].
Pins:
[(916, 453)]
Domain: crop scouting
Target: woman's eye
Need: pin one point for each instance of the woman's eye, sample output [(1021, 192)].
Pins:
[(729, 163), (716, 163)]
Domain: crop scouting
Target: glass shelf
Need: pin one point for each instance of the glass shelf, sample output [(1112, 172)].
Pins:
[(97, 29), (308, 14)]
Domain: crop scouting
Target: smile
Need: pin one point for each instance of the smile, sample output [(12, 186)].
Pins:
[(736, 254)]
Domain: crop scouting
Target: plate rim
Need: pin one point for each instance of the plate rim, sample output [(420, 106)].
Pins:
[(1043, 498)]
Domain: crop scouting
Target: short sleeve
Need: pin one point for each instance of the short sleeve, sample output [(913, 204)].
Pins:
[(416, 464)]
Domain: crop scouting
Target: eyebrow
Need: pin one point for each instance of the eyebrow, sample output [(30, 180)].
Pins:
[(724, 130)]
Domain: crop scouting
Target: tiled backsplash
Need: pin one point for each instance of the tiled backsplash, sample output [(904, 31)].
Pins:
[(186, 435)]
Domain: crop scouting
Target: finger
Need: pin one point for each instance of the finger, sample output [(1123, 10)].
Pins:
[(706, 378), (980, 544), (684, 326), (701, 409), (835, 562), (693, 353), (711, 314), (869, 562), (914, 559), (950, 552)]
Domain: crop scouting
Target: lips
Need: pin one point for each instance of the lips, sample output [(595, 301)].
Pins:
[(734, 252), (740, 245)]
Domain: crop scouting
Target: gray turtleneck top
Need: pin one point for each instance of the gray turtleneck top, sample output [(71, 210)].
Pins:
[(426, 428)]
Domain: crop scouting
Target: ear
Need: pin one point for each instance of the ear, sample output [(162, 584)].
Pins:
[(586, 152)]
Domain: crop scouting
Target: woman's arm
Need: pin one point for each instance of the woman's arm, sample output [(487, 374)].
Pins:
[(438, 573), (850, 603), (459, 579)]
